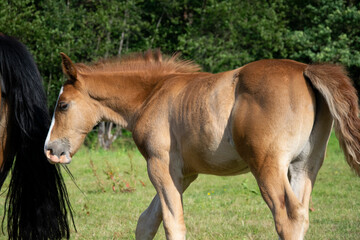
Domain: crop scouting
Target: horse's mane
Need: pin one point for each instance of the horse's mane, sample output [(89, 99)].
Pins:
[(151, 60), (37, 203)]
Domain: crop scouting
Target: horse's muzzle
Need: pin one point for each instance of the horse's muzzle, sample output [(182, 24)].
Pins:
[(58, 151)]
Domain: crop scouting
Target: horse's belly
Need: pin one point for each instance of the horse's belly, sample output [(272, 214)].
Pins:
[(223, 160)]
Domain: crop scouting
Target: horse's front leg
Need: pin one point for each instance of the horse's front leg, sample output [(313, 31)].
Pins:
[(150, 219), (167, 177)]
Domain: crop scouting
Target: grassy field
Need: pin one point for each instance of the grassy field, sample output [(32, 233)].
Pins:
[(113, 189)]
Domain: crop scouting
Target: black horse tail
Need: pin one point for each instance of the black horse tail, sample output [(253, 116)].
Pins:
[(37, 202)]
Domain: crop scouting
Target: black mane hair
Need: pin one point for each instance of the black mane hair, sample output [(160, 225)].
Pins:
[(37, 203)]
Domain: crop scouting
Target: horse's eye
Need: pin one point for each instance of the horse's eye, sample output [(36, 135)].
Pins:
[(63, 106)]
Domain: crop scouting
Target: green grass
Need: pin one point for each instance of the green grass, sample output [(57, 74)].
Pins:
[(115, 189)]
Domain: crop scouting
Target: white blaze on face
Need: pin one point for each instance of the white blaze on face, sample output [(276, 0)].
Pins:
[(52, 122)]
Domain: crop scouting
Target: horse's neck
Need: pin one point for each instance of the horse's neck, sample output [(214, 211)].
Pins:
[(120, 95)]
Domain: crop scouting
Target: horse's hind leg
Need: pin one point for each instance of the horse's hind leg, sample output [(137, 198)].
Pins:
[(149, 221), (286, 189), (304, 169), (302, 180), (302, 175), (288, 212)]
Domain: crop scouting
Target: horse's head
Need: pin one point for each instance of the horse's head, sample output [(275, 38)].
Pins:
[(75, 114)]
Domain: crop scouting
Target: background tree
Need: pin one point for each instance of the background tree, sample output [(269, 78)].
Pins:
[(323, 31), (223, 35)]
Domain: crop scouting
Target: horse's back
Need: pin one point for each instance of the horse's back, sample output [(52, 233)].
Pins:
[(274, 111)]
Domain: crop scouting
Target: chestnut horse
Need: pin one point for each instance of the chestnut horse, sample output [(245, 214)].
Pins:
[(270, 117), (36, 204)]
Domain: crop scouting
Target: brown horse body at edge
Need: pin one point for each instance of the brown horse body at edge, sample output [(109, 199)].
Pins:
[(270, 117)]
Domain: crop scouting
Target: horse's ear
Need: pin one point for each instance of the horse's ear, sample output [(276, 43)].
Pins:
[(68, 67), (157, 55)]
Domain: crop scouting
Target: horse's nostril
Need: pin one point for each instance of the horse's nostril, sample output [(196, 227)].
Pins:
[(49, 150), (63, 153)]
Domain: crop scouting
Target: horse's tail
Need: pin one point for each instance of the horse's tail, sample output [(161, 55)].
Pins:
[(37, 202), (335, 86)]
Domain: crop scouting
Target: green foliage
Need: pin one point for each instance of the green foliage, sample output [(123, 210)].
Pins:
[(331, 34), (228, 34), (324, 31), (218, 34)]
